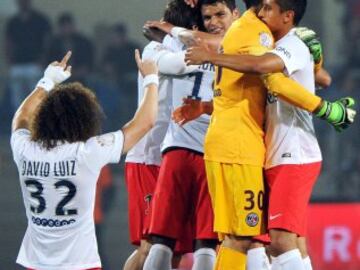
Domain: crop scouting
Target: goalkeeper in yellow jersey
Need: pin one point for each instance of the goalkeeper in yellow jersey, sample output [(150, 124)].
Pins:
[(293, 158), (234, 147)]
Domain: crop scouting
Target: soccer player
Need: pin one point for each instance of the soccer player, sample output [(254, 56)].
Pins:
[(224, 126), (181, 193), (144, 159), (59, 155), (293, 157)]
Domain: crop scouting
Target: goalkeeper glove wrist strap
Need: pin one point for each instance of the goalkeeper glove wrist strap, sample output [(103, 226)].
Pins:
[(331, 112)]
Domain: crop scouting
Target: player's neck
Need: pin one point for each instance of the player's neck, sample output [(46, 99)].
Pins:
[(282, 32)]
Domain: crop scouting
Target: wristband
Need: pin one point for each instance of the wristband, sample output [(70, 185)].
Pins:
[(175, 31), (151, 79), (46, 84)]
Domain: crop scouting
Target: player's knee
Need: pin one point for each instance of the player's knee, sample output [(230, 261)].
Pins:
[(169, 242), (301, 243), (144, 250), (206, 243), (282, 241), (239, 243)]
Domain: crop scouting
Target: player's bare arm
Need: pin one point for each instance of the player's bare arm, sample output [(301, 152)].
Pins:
[(267, 63), (153, 34), (322, 78), (146, 114), (55, 73)]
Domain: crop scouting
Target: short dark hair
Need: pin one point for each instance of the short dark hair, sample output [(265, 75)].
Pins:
[(70, 113), (178, 13), (252, 3), (298, 6), (231, 4)]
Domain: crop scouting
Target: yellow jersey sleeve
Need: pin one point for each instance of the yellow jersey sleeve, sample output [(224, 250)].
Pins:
[(291, 91), (235, 133)]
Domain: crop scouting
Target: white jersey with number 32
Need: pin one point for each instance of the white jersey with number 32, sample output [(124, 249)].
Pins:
[(58, 189)]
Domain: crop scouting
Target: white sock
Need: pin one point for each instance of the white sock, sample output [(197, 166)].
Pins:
[(290, 260), (257, 259), (307, 263), (204, 259), (159, 258)]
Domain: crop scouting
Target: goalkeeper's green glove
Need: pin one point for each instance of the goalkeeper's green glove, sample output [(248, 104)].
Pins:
[(339, 114), (311, 40)]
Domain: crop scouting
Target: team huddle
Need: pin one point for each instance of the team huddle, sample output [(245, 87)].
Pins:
[(221, 157)]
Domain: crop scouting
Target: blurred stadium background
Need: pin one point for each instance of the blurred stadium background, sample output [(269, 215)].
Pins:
[(103, 35)]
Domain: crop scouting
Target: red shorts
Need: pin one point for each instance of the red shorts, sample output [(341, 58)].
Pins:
[(140, 180), (182, 198), (290, 190), (264, 238)]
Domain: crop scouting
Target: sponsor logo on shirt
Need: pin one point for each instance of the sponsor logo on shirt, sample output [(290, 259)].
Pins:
[(44, 222), (283, 51), (286, 155)]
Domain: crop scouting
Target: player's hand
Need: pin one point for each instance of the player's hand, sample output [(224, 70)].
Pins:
[(59, 71), (310, 38), (161, 25), (153, 34), (146, 67), (55, 73), (189, 39), (190, 110), (340, 114), (191, 3), (197, 55)]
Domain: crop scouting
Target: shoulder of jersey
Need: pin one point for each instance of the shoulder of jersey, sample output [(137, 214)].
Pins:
[(296, 41)]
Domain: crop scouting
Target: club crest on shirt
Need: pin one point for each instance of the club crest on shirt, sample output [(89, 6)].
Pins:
[(106, 139), (266, 40), (252, 219)]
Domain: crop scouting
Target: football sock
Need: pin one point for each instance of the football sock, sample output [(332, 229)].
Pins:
[(307, 263), (204, 259), (290, 260), (159, 258), (257, 259), (230, 259)]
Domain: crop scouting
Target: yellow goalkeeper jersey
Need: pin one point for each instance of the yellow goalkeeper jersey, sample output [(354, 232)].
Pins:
[(236, 133)]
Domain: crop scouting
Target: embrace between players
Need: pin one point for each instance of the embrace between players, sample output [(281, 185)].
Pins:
[(199, 183)]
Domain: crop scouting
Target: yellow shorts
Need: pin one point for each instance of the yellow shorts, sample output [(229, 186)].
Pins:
[(237, 194)]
